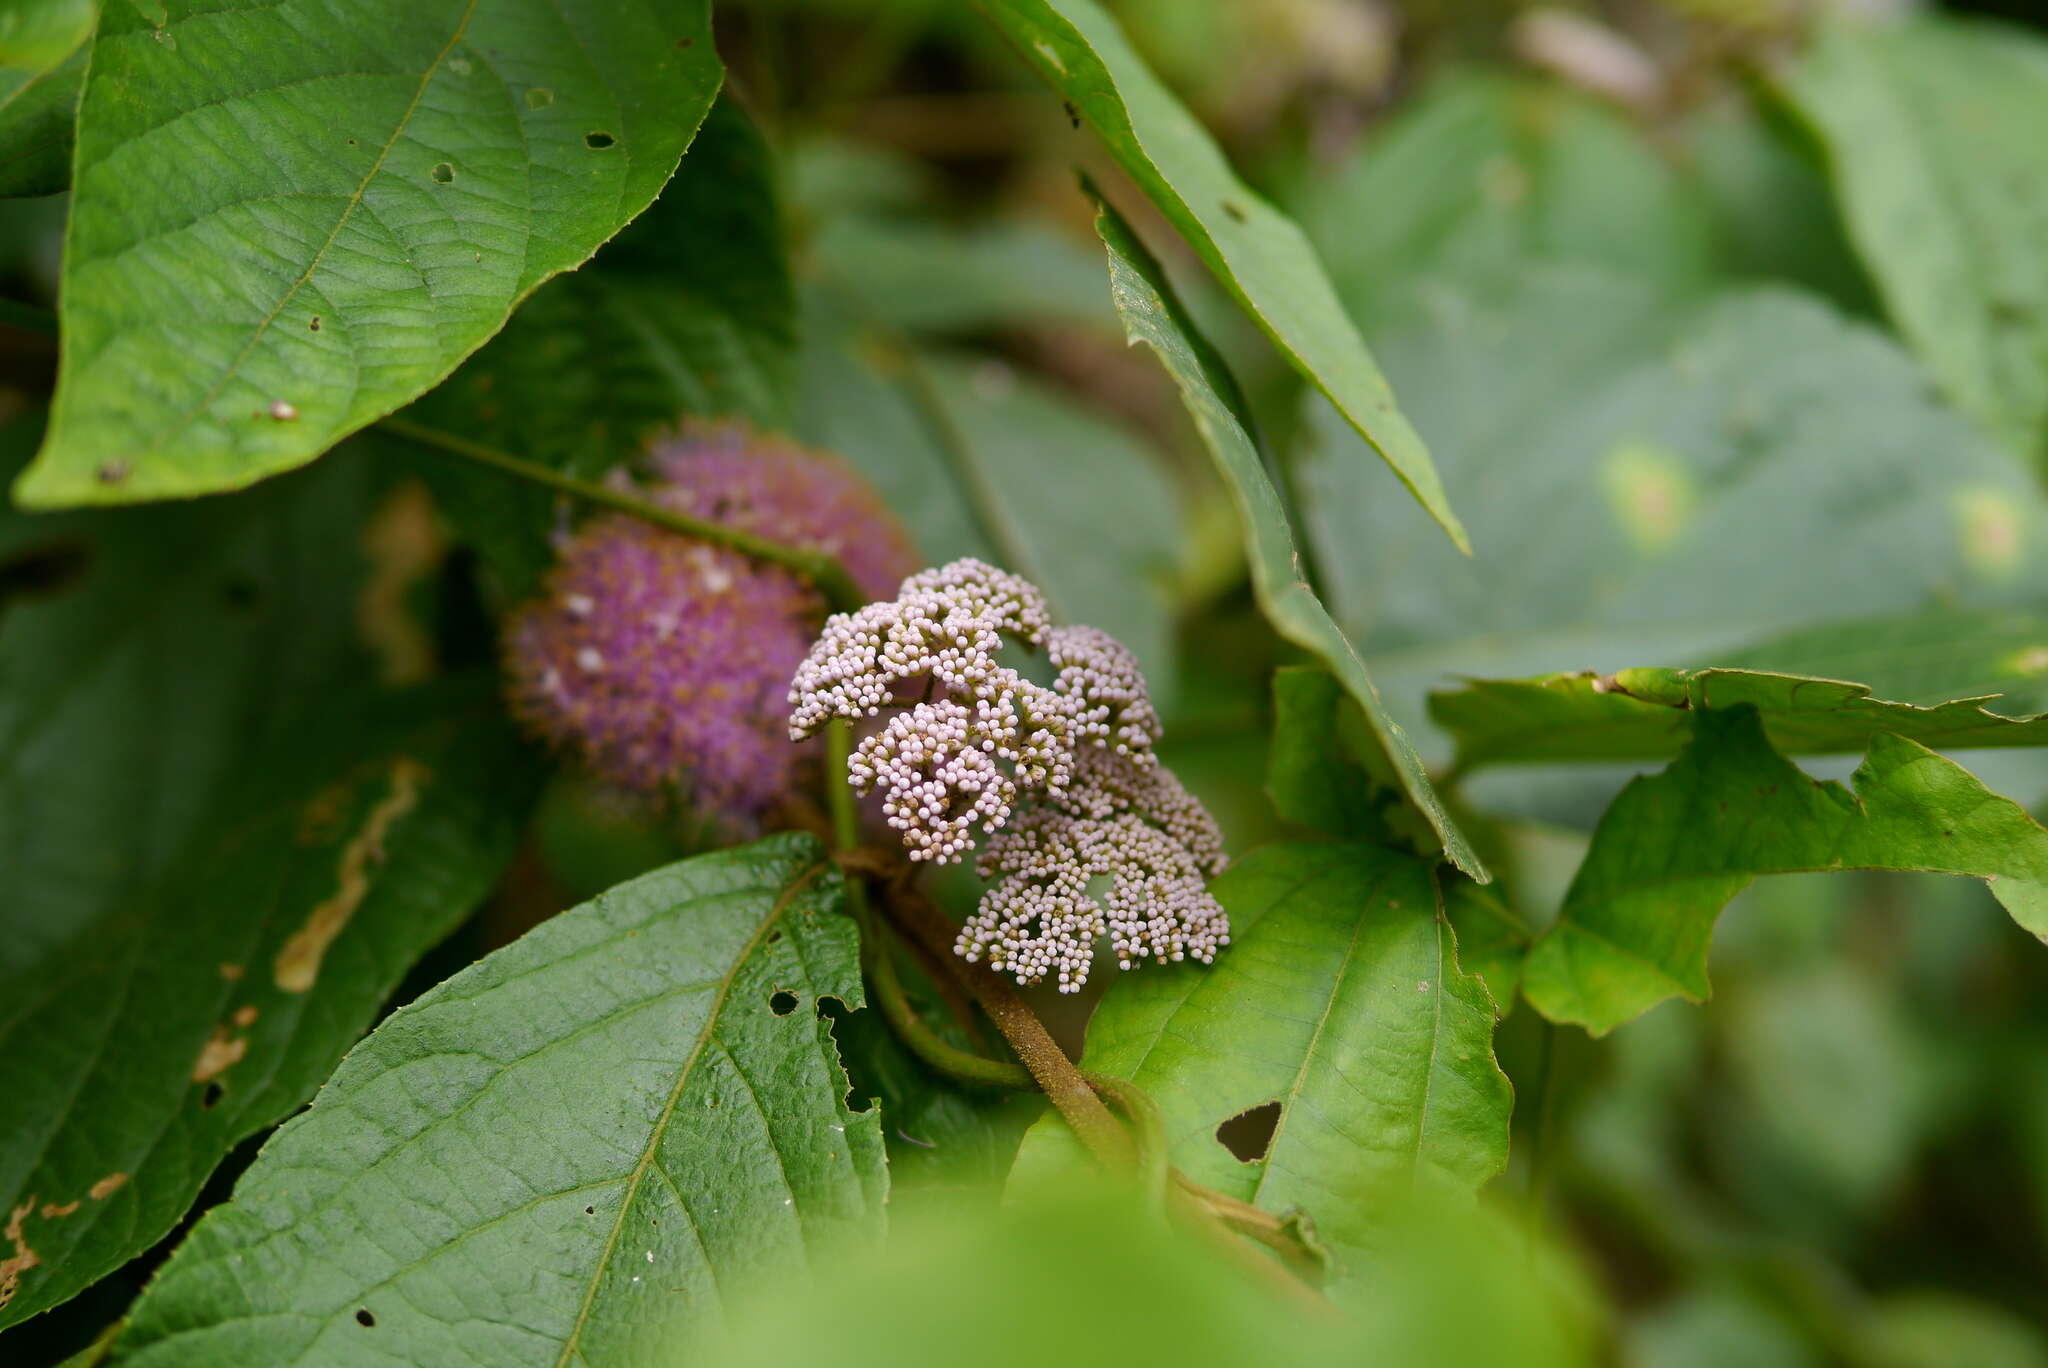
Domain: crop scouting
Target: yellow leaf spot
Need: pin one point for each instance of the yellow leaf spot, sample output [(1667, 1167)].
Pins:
[(245, 1017), (222, 1049), (2031, 661), (298, 964), (1651, 492), (51, 1211), (104, 1188), (1989, 525), (23, 1258), (404, 543)]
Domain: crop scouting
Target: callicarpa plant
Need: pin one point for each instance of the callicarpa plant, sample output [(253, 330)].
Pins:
[(557, 809), (1089, 797)]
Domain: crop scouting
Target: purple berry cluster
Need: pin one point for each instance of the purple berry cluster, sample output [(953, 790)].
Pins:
[(1062, 778), (659, 660)]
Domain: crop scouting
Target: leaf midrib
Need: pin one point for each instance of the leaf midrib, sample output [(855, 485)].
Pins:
[(659, 1129), (355, 200)]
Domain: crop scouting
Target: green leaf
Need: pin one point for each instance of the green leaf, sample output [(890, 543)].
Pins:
[(569, 1152), (213, 1003), (1930, 657), (1089, 1277), (165, 644), (1316, 769), (43, 45), (1646, 475), (1493, 940), (979, 460), (1641, 715), (1929, 128), (1766, 190), (1340, 1005), (1255, 251), (1676, 846), (689, 312), (1482, 177), (1153, 316), (950, 1145), (289, 220)]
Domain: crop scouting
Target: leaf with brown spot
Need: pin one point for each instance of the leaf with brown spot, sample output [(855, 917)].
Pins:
[(432, 788), (298, 963)]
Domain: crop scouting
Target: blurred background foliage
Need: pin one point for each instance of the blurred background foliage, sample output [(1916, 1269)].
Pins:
[(1605, 256)]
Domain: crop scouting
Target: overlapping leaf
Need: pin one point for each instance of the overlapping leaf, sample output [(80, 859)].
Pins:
[(571, 1152), (1317, 779), (1152, 315), (688, 313), (1645, 476), (136, 1054), (152, 655), (1340, 1006), (1929, 128), (1257, 253), (289, 220), (1642, 714), (1676, 846)]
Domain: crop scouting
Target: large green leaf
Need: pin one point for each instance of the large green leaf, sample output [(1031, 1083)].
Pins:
[(567, 1153), (1645, 477), (289, 219), (1676, 846), (1930, 132), (1340, 1006), (135, 1055), (1255, 251), (689, 312), (1317, 777), (1092, 1279), (42, 62), (1482, 177), (144, 654), (166, 643), (1153, 316), (1642, 714)]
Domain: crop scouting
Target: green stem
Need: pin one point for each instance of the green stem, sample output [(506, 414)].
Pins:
[(841, 594)]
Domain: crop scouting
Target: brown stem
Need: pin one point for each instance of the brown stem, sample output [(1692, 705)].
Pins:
[(1063, 1084)]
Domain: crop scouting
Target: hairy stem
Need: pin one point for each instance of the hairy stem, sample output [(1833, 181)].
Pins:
[(1063, 1084), (826, 574)]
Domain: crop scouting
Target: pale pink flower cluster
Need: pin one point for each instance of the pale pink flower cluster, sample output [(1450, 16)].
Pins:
[(1108, 842)]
